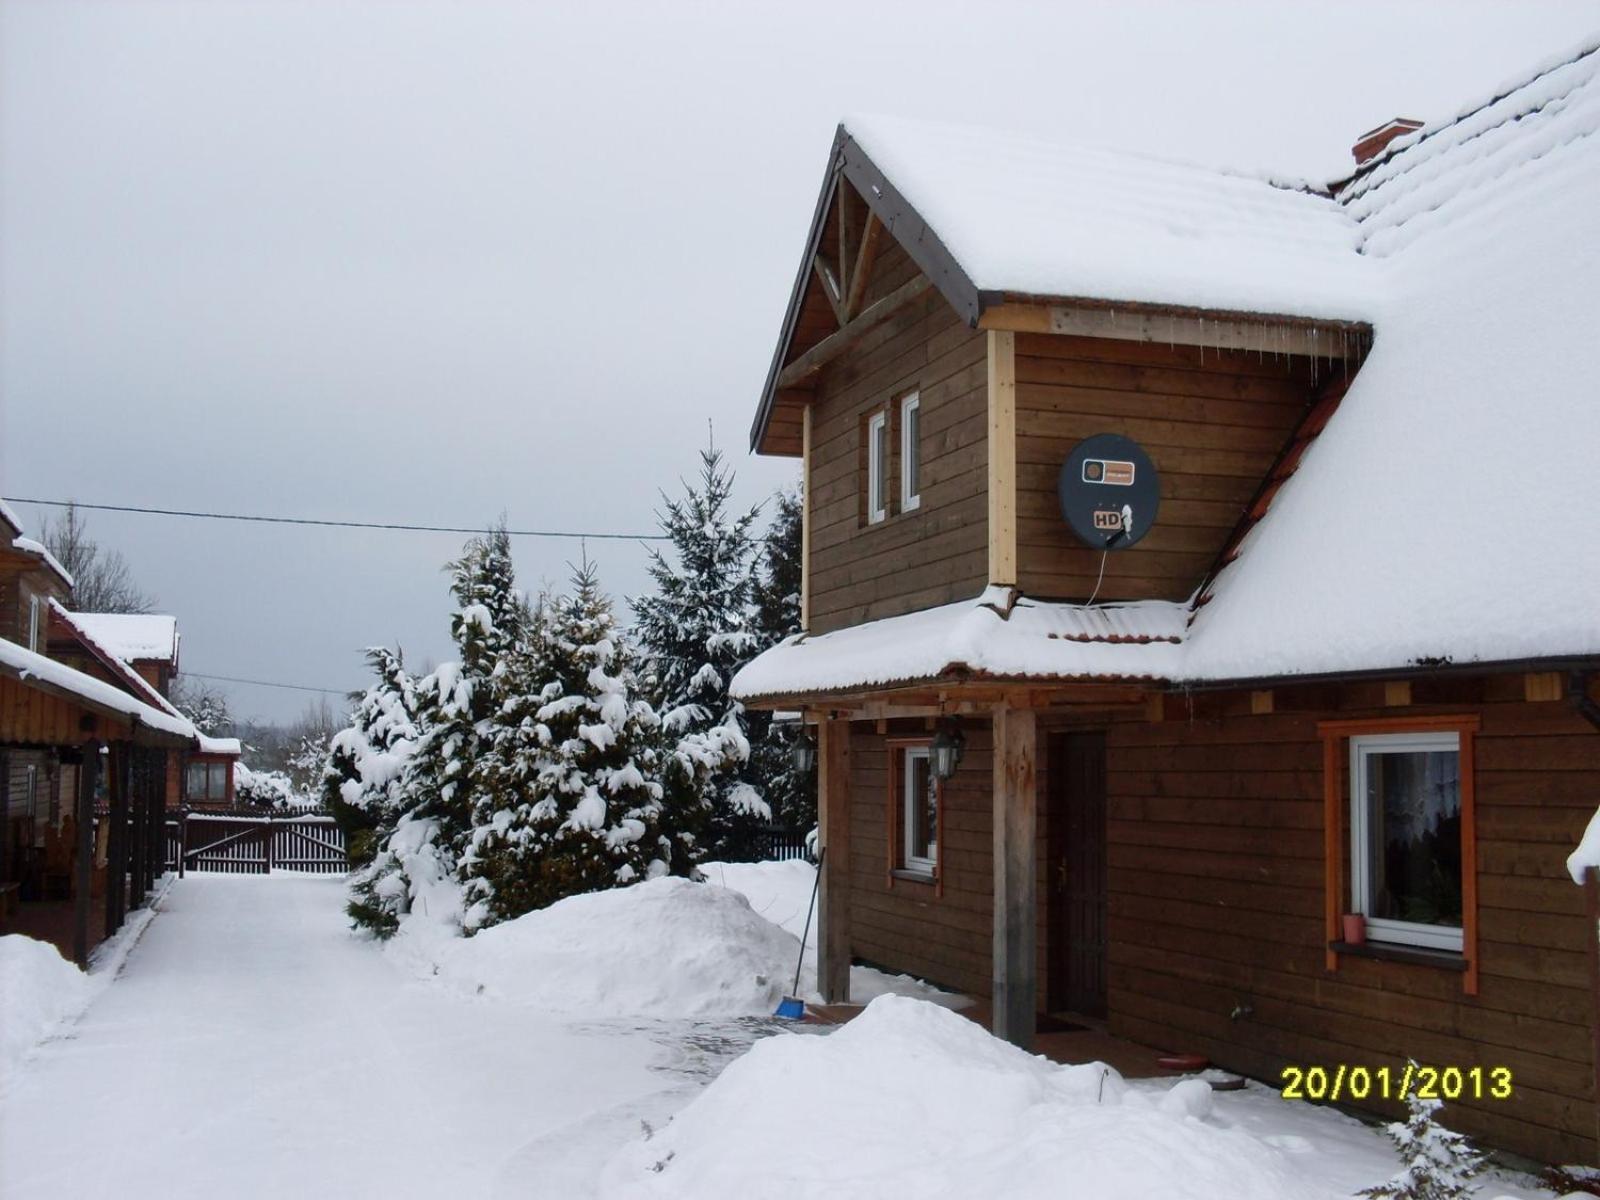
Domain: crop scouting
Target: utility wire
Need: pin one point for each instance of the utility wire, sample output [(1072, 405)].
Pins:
[(293, 687), (394, 525)]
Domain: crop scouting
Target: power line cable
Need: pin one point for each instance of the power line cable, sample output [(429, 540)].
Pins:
[(293, 687), (391, 525)]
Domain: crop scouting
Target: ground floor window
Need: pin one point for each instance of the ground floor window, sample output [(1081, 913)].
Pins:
[(919, 812), (1406, 837), (207, 782)]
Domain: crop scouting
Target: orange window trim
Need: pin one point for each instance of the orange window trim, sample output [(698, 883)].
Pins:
[(1333, 735), (895, 822)]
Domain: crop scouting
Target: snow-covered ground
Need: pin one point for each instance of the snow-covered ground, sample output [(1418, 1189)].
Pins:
[(251, 1045)]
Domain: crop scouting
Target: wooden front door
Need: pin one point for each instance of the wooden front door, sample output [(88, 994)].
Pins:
[(1077, 874)]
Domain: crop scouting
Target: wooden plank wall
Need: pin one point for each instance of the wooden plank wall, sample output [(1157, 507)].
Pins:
[(1216, 902), (1212, 421), (30, 716), (940, 934), (937, 553)]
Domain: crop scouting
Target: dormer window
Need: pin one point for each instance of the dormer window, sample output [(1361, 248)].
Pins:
[(910, 452), (877, 467)]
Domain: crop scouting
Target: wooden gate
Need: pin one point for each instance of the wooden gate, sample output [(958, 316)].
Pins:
[(245, 844)]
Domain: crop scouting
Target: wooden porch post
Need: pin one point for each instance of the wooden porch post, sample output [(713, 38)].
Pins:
[(156, 839), (833, 904), (117, 840), (5, 814), (83, 872), (1015, 890), (136, 859)]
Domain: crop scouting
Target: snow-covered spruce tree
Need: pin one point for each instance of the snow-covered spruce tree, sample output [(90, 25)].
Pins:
[(363, 762), (695, 632), (1439, 1163), (456, 707), (575, 778), (791, 794)]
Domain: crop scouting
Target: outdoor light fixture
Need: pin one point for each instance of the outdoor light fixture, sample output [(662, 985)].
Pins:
[(944, 754), (803, 753)]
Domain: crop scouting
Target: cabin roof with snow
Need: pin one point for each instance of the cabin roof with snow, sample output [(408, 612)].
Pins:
[(1441, 511), (133, 637)]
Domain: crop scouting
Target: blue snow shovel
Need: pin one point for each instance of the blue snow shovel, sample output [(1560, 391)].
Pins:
[(792, 1008)]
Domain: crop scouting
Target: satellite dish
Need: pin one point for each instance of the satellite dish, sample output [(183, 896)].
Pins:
[(1109, 491)]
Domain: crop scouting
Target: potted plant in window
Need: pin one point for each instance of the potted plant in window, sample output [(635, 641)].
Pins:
[(1355, 929)]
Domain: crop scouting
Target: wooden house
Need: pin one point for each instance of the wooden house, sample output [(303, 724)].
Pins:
[(1344, 667), (80, 729)]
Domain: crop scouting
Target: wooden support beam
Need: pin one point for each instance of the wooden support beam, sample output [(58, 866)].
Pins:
[(83, 866), (1264, 334), (1397, 693), (1261, 703), (861, 272), (1002, 353), (1015, 890), (137, 841), (117, 842), (1542, 687), (833, 902), (5, 816), (832, 288), (797, 373), (805, 518)]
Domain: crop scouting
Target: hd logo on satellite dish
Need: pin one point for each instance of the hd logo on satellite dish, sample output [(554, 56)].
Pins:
[(1110, 491)]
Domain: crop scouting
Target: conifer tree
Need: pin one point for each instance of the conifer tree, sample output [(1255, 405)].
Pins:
[(576, 773), (1439, 1163), (456, 706), (791, 794), (695, 632)]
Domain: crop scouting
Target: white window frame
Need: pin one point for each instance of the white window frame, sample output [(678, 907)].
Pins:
[(915, 864), (1382, 929), (33, 624), (877, 443), (910, 452)]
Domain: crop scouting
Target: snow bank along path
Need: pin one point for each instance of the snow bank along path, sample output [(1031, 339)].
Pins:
[(254, 1047)]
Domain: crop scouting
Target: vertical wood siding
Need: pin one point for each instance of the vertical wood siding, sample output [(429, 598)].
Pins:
[(936, 553), (1212, 421)]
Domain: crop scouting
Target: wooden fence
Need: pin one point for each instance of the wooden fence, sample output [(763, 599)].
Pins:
[(778, 844), (237, 844)]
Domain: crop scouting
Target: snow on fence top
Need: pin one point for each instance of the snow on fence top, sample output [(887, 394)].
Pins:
[(133, 636), (1022, 214), (25, 664)]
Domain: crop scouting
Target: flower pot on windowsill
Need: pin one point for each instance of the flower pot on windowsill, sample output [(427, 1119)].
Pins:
[(1355, 929)]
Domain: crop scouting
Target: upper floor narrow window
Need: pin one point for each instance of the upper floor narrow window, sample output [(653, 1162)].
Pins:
[(910, 452), (1405, 833), (877, 467), (33, 623)]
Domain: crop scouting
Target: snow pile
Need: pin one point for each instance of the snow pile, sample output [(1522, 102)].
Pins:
[(38, 991), (913, 1099), (782, 893), (662, 948)]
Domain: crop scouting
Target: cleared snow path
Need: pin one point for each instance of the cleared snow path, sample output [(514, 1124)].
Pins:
[(253, 1046)]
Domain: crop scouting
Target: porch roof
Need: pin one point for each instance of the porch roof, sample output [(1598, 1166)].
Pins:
[(94, 694), (1000, 635)]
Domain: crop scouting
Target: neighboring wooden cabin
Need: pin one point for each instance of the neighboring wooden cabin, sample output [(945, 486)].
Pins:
[(80, 728), (1336, 677)]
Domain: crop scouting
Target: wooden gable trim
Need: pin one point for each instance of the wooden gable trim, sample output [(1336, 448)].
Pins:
[(1335, 801)]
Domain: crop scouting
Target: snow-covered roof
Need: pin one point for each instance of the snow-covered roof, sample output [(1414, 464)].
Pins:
[(9, 516), (39, 550), (1025, 215), (1448, 509), (134, 637), (998, 635), (219, 745), (131, 679), (1447, 512), (25, 664)]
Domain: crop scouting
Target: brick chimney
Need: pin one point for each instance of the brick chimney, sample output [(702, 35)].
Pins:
[(1375, 141)]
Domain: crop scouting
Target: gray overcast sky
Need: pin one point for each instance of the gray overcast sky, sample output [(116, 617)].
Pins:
[(432, 262)]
